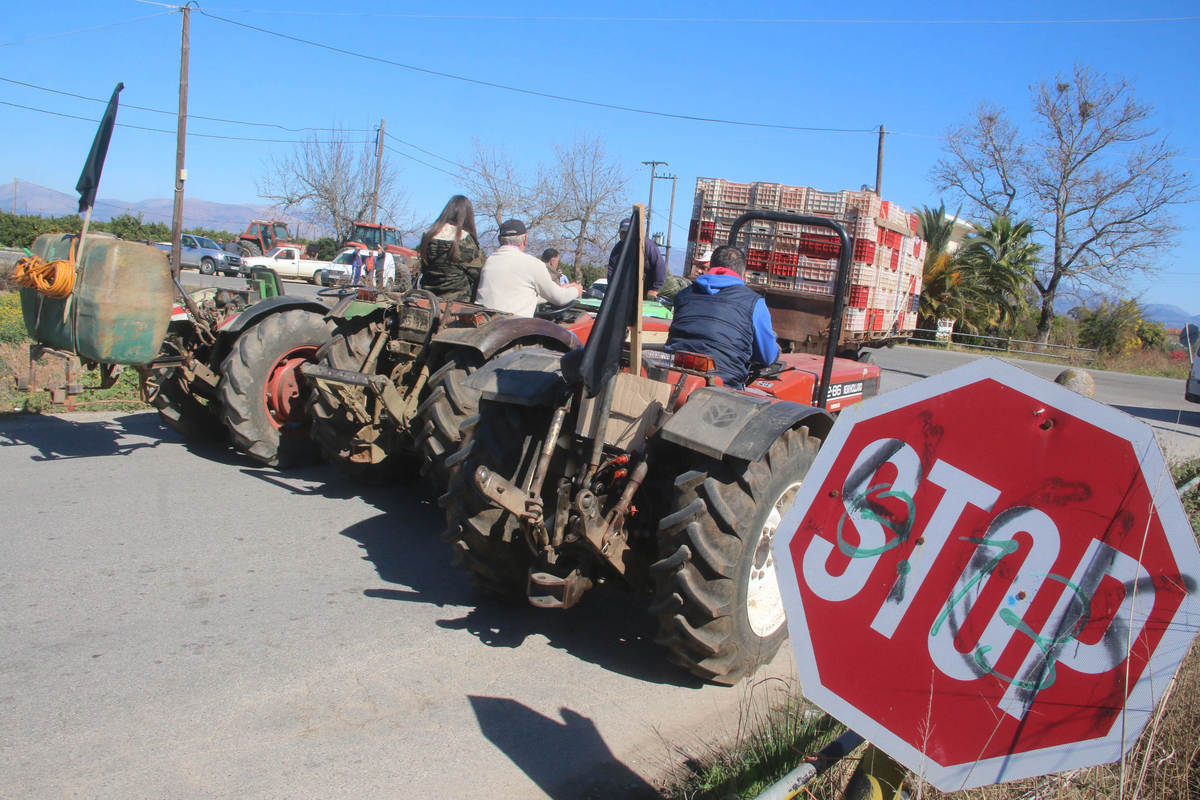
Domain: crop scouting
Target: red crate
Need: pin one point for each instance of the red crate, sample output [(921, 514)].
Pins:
[(895, 259), (864, 250), (817, 246), (858, 296), (707, 228), (876, 319), (893, 239), (884, 208), (756, 258), (784, 259)]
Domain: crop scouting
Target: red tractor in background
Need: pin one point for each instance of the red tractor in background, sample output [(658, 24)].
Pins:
[(262, 236), (372, 235)]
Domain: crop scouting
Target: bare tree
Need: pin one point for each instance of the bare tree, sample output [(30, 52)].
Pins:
[(1094, 177), (330, 181), (499, 191), (593, 197)]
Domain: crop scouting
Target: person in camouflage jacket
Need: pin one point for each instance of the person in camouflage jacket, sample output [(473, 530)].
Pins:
[(450, 253)]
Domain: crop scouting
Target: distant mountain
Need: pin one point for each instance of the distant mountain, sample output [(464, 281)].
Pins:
[(232, 217), (1170, 316)]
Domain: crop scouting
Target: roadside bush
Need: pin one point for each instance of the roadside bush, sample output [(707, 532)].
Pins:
[(12, 324)]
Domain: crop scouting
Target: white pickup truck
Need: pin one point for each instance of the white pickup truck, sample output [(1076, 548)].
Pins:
[(287, 263)]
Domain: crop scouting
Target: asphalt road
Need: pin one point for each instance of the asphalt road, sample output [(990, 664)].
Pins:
[(181, 624)]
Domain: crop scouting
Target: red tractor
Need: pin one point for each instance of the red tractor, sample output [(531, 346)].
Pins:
[(636, 466), (263, 236), (371, 236)]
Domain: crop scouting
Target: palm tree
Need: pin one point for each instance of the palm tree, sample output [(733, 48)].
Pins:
[(941, 292), (997, 263)]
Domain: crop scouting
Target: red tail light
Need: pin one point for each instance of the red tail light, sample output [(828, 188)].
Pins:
[(695, 362)]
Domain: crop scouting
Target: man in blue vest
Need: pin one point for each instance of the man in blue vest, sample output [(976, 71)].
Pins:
[(719, 316)]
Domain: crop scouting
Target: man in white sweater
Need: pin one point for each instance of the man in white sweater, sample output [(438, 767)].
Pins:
[(515, 281)]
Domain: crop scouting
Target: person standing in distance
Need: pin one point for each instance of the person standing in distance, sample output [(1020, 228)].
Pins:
[(450, 254), (720, 316), (515, 281), (551, 258), (656, 265)]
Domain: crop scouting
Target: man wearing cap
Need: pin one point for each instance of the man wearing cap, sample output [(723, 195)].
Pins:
[(720, 316), (656, 265), (515, 281)]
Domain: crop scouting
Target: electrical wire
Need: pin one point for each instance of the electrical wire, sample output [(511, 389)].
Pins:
[(533, 92), (714, 20), (84, 30), (190, 116), (167, 130)]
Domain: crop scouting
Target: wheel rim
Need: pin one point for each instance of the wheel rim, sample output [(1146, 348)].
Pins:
[(284, 395), (764, 603)]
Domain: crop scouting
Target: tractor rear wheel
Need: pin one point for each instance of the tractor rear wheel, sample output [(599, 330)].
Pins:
[(262, 396), (182, 411), (338, 433), (448, 402), (716, 596), (249, 249), (488, 541)]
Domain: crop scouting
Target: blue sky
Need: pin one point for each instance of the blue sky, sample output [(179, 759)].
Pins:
[(869, 66)]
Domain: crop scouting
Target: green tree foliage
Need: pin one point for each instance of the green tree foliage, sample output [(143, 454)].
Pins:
[(941, 295), (327, 248), (996, 267), (585, 275), (19, 230), (1115, 328)]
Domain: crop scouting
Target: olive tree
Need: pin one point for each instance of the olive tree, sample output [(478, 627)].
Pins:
[(1091, 173)]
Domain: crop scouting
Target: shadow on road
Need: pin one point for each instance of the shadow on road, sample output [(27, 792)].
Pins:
[(1171, 415), (609, 628), (56, 438), (548, 751)]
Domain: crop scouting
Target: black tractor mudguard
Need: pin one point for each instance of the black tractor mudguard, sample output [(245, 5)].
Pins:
[(500, 333), (720, 422), (531, 376), (255, 314)]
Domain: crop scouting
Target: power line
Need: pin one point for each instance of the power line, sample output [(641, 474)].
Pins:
[(419, 161), (534, 92), (165, 130), (716, 20), (190, 116), (84, 30)]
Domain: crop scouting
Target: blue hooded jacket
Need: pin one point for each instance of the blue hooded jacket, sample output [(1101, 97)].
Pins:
[(719, 316)]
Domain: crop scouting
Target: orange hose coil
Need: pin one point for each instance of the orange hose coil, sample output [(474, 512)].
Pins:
[(52, 278)]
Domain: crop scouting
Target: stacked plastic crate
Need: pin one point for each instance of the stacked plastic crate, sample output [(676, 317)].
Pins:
[(885, 279)]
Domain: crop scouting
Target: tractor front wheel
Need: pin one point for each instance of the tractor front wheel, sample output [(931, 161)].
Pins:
[(262, 395), (717, 599), (182, 411), (344, 439), (488, 541)]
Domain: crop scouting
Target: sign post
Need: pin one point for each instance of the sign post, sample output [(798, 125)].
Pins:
[(991, 578)]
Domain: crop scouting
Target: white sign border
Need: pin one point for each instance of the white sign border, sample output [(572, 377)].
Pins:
[(1163, 663)]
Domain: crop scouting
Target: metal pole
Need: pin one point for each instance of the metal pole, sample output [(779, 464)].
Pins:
[(378, 159), (180, 142), (14, 197), (879, 162), (650, 206), (670, 219)]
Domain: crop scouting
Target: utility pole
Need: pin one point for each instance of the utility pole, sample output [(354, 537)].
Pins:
[(14, 197), (879, 163), (670, 216), (378, 159), (650, 206), (180, 142)]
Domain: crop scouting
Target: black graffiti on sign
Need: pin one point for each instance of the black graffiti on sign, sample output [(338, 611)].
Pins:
[(720, 415)]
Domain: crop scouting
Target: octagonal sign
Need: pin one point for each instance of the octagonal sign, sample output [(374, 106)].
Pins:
[(989, 576)]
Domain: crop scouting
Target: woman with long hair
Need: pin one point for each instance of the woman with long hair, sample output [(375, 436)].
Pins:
[(450, 254)]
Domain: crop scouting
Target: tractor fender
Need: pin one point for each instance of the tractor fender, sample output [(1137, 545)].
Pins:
[(257, 313), (530, 376), (720, 422), (499, 334)]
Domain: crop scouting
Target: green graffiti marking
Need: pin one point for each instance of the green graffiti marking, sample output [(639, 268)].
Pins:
[(860, 507)]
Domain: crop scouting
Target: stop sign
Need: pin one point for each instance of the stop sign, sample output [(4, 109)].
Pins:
[(989, 576)]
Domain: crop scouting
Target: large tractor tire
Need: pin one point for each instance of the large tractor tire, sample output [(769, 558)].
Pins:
[(447, 405), (262, 395), (182, 411), (249, 249), (717, 600), (487, 540), (335, 430)]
